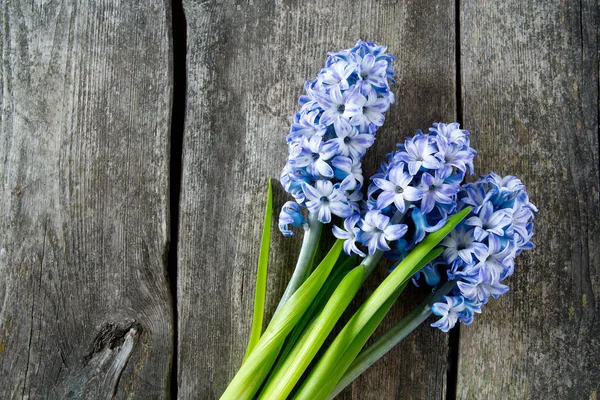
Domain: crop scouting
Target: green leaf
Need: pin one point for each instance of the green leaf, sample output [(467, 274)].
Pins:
[(285, 378), (359, 341), (261, 275), (391, 338), (338, 273), (318, 385), (251, 374)]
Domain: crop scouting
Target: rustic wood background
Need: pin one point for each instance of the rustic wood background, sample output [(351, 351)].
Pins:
[(136, 139)]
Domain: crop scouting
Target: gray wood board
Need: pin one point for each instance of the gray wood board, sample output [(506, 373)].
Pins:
[(530, 95), (247, 62), (85, 310)]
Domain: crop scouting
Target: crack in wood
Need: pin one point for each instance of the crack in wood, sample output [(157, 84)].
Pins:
[(179, 48), (111, 336), (33, 309), (454, 335), (103, 366)]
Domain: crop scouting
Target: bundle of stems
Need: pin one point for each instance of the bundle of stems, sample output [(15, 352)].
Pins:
[(279, 357)]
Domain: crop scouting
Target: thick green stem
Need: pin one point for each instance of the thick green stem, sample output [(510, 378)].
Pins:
[(391, 338), (370, 262), (305, 259), (359, 341)]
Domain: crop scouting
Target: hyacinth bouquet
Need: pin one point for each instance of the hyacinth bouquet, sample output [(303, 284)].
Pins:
[(460, 239)]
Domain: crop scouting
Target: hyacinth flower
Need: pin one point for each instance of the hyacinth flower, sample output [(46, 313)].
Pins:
[(340, 113), (415, 191), (324, 176)]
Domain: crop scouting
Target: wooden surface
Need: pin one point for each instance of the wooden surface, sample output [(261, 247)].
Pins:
[(530, 84), (86, 102), (87, 166)]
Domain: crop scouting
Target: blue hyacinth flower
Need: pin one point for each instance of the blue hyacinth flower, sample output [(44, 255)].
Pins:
[(449, 309), (377, 231)]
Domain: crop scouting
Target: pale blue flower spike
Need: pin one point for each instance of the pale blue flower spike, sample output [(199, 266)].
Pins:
[(339, 116), (482, 249), (414, 191)]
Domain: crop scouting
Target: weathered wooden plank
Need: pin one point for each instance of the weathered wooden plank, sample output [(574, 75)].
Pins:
[(530, 93), (86, 102), (247, 62)]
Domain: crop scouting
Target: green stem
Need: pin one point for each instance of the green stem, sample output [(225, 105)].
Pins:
[(391, 338), (370, 262), (359, 341), (323, 297), (305, 259), (250, 376), (285, 378), (338, 273)]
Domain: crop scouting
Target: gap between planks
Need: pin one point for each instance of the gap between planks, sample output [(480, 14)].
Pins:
[(179, 37), (454, 334)]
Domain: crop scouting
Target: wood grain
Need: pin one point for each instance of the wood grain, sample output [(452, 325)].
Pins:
[(86, 101), (247, 62), (530, 95)]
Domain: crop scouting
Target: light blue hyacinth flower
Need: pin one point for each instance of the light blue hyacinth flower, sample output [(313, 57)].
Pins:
[(340, 113), (417, 186), (479, 253)]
